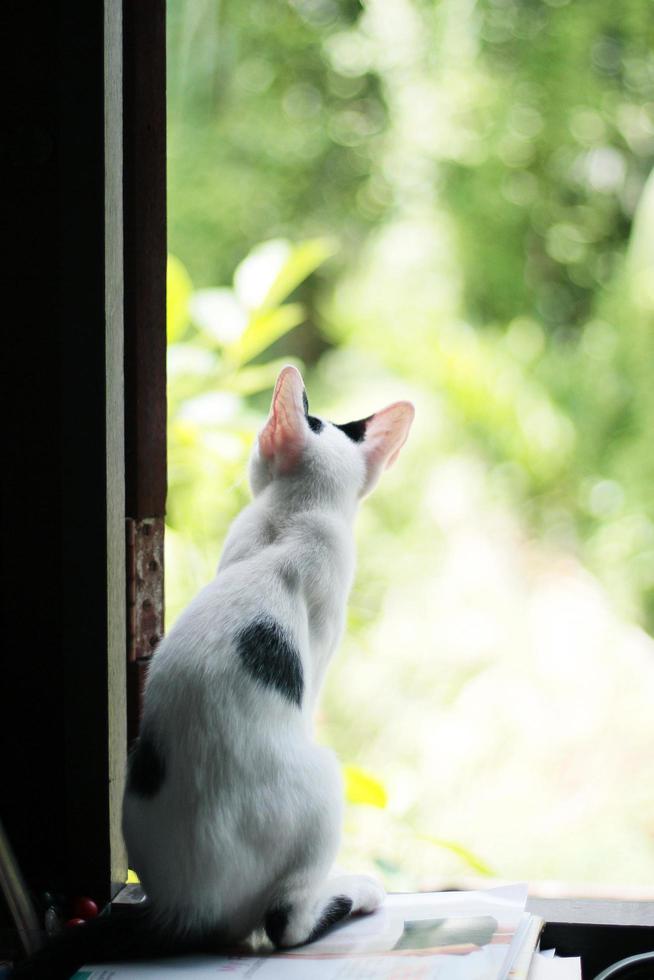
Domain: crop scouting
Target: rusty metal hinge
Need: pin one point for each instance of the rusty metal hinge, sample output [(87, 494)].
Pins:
[(145, 605)]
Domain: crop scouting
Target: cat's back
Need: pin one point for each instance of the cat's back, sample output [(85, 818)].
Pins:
[(243, 644)]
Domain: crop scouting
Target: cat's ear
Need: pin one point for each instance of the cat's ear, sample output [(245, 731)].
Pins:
[(284, 435), (386, 433)]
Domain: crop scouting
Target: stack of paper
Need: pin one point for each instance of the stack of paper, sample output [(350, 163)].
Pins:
[(472, 935)]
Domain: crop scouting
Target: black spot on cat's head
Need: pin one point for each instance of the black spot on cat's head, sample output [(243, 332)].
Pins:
[(146, 768), (315, 424), (356, 431)]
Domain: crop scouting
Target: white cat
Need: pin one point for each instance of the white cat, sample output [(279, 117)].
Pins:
[(232, 813)]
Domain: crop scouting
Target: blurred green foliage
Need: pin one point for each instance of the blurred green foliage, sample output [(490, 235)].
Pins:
[(214, 339), (448, 201), (265, 132)]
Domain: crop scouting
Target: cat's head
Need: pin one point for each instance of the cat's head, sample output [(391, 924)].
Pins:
[(320, 456)]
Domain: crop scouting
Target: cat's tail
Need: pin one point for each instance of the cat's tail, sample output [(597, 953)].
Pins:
[(107, 939)]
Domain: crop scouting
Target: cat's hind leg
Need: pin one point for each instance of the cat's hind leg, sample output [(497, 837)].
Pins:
[(306, 902), (305, 911)]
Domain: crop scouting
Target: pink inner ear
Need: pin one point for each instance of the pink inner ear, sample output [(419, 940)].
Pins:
[(284, 435), (386, 433)]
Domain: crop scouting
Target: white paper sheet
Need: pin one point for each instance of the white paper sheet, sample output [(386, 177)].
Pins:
[(549, 967), (436, 936)]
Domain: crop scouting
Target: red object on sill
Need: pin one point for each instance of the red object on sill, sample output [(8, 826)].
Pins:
[(84, 908)]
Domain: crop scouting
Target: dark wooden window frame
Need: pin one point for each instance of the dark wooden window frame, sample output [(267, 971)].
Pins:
[(84, 458), (144, 134)]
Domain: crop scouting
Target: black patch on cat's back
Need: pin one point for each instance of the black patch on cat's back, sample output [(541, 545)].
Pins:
[(146, 768), (268, 655), (356, 431)]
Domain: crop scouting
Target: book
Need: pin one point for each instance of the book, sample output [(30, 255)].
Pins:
[(467, 935)]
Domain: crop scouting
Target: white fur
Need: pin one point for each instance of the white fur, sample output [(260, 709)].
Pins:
[(248, 817)]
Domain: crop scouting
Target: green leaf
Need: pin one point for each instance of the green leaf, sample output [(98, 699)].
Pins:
[(178, 293), (361, 787), (302, 261), (467, 856), (262, 331), (387, 867)]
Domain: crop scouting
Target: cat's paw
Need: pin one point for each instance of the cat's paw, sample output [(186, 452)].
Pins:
[(302, 919), (366, 892)]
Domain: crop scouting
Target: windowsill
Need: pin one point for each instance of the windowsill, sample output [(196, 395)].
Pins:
[(570, 911), (600, 931), (593, 911)]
